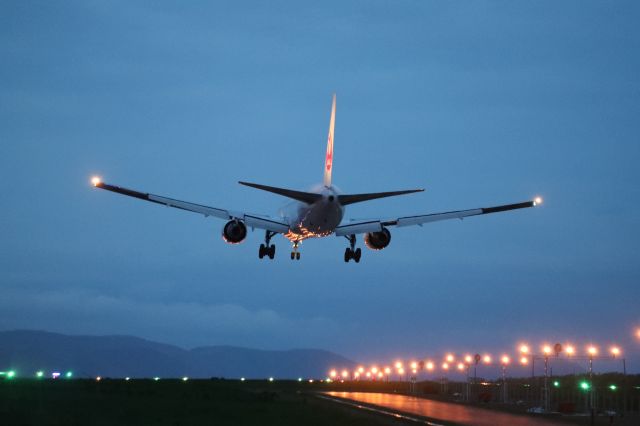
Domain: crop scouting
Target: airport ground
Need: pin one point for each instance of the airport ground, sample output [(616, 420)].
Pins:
[(232, 402)]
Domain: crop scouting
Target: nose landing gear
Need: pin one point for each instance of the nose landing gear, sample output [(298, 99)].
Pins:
[(295, 254), (266, 249), (352, 252)]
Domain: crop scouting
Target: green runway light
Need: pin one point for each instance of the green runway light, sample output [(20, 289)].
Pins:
[(40, 374), (556, 384), (68, 374), (613, 387), (156, 378), (299, 379), (11, 374), (584, 385)]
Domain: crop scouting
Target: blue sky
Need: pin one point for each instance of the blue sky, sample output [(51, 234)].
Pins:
[(481, 103)]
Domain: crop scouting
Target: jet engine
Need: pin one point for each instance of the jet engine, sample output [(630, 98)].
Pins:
[(234, 232), (378, 240)]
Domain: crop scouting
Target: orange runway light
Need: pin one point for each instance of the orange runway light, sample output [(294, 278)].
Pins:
[(505, 360), (570, 350), (546, 349), (460, 366), (524, 349), (450, 358), (524, 360), (615, 351), (398, 365), (487, 359), (429, 365), (592, 350), (468, 359)]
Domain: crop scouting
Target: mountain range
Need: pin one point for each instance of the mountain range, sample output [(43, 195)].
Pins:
[(28, 351)]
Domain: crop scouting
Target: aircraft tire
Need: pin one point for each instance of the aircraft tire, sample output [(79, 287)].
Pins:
[(347, 255), (357, 255), (298, 256), (261, 251), (272, 251)]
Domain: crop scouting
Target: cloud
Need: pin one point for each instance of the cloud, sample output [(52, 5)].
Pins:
[(184, 323)]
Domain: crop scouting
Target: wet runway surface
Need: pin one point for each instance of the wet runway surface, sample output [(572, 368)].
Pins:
[(443, 411)]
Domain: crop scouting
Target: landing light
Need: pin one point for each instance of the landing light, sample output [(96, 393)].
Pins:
[(537, 201), (95, 181)]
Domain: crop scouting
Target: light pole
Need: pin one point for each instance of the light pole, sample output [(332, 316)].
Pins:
[(592, 351), (504, 361), (546, 350), (468, 359)]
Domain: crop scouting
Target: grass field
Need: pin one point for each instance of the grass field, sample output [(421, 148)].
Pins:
[(170, 402)]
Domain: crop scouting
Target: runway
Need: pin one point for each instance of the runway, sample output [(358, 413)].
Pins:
[(436, 411)]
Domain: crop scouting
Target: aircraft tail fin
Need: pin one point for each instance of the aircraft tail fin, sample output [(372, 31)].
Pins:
[(328, 160), (305, 197)]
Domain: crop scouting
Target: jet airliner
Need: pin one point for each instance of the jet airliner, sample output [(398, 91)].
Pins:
[(318, 213)]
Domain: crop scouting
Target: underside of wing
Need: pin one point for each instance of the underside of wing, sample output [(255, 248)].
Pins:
[(251, 220), (377, 225)]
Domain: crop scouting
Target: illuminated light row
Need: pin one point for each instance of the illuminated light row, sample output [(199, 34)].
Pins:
[(524, 349)]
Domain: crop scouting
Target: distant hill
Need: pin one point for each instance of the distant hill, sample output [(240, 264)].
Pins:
[(120, 356)]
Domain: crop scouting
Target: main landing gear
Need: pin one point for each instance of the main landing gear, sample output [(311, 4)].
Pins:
[(352, 252), (266, 249), (295, 254)]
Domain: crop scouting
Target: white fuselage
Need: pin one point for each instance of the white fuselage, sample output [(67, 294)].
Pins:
[(314, 220)]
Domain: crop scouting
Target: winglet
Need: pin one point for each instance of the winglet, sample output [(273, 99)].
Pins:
[(328, 160)]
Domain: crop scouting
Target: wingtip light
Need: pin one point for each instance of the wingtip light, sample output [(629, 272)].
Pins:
[(95, 181)]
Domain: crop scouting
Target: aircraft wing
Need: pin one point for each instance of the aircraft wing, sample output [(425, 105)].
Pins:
[(377, 225), (251, 220)]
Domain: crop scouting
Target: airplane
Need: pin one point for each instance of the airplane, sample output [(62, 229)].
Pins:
[(313, 214)]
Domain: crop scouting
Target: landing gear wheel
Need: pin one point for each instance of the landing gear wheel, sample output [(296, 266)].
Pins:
[(347, 254), (261, 251), (357, 254), (293, 255), (297, 255), (272, 251)]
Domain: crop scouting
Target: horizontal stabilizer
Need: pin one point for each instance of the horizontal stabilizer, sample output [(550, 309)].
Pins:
[(357, 198), (305, 197)]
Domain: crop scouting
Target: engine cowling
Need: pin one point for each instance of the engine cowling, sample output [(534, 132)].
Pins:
[(234, 232), (378, 240)]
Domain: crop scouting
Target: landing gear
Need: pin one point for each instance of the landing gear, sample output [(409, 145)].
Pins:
[(352, 252), (295, 254), (267, 249)]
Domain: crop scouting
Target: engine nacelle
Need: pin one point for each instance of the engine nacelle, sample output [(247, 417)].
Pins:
[(234, 232), (378, 240)]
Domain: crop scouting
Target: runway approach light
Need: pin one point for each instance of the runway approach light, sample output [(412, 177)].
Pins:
[(537, 201), (95, 181), (185, 378)]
